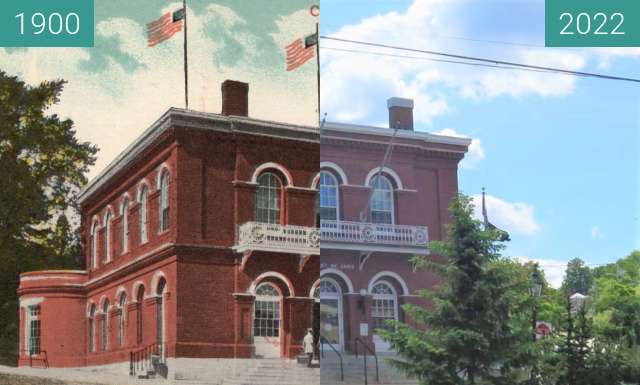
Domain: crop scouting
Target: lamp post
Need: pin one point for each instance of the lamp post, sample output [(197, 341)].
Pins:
[(535, 291)]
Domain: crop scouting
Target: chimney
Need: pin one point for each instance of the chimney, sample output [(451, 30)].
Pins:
[(235, 98), (400, 113)]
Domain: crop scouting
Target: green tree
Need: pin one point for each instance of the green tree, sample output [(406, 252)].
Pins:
[(578, 278), (479, 330), (42, 167)]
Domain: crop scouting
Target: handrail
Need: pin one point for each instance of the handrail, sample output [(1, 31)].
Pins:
[(367, 347), (141, 359), (322, 341)]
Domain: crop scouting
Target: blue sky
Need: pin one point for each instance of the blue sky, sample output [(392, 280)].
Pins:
[(559, 155)]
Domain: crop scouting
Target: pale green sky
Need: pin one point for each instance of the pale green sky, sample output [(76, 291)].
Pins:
[(121, 86)]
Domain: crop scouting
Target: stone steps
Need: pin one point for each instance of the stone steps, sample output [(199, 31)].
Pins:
[(276, 372), (354, 371)]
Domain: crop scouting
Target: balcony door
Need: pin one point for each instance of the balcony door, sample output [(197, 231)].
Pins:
[(266, 321), (331, 318)]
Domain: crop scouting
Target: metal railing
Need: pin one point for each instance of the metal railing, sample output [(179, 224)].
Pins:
[(323, 341), (40, 356), (373, 233), (373, 353), (276, 237), (143, 360)]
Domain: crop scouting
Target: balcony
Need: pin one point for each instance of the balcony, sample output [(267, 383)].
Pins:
[(258, 236), (372, 237)]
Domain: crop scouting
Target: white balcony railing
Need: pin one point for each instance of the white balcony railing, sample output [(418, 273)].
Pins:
[(374, 234), (278, 238)]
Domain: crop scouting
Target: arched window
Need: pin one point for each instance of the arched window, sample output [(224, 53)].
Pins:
[(143, 213), (266, 321), (106, 254), (164, 201), (104, 335), (124, 211), (122, 303), (268, 198), (92, 328), (381, 200), (139, 298), (162, 284), (384, 304), (94, 245), (328, 197)]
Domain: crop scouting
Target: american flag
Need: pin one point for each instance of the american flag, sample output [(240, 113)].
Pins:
[(298, 54), (165, 27)]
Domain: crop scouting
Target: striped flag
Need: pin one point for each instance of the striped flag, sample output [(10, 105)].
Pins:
[(298, 53), (165, 27)]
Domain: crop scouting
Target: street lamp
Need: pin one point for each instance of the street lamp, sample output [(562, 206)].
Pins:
[(535, 291)]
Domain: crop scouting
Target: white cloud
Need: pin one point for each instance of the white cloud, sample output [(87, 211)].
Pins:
[(354, 86), (596, 233), (112, 107), (476, 151), (513, 217), (554, 270)]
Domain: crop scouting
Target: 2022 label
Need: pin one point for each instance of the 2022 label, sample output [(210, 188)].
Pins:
[(592, 23)]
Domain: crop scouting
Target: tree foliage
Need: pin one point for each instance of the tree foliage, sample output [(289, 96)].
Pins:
[(42, 167), (476, 332)]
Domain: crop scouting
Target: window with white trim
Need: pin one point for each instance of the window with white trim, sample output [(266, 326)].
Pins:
[(122, 303), (94, 245), (104, 335), (266, 320), (328, 196), (106, 253), (164, 201), (268, 196), (381, 200), (33, 330), (383, 307), (124, 212), (92, 328), (144, 192)]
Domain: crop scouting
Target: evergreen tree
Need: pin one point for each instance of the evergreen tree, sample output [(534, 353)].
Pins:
[(578, 278), (473, 333), (42, 167)]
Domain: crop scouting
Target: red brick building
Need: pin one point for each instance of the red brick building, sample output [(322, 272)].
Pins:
[(375, 214), (200, 242)]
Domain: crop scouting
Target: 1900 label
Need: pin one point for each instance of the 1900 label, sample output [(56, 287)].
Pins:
[(46, 23)]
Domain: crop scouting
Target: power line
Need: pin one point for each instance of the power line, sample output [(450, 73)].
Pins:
[(485, 60), (440, 60)]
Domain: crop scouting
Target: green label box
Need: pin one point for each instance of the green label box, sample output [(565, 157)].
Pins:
[(47, 23), (592, 23)]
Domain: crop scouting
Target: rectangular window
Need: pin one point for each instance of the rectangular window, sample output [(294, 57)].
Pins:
[(121, 327), (92, 346), (33, 330), (164, 222), (139, 324)]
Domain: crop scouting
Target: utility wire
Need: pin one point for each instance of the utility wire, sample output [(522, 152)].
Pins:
[(441, 60), (484, 60)]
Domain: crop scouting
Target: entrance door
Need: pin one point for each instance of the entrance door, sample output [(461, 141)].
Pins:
[(266, 321), (384, 308), (331, 312)]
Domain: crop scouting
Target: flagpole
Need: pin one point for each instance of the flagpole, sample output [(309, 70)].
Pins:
[(186, 63), (318, 65)]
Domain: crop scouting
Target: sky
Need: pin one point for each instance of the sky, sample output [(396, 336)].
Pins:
[(120, 87), (559, 155)]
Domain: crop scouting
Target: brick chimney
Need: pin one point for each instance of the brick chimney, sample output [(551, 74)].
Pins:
[(235, 98), (400, 113)]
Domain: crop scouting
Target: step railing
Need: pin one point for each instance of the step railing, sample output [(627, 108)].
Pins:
[(141, 361), (324, 341), (373, 353), (39, 356)]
